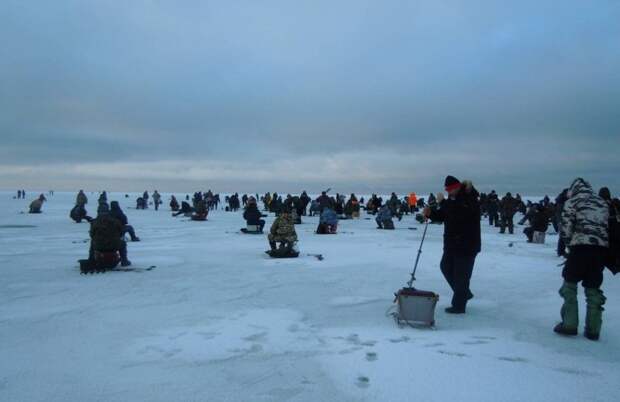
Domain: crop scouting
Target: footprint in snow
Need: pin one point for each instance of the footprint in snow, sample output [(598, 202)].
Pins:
[(570, 370), (371, 356), (456, 354), (399, 340), (434, 345), (478, 342), (512, 359), (363, 382), (258, 337)]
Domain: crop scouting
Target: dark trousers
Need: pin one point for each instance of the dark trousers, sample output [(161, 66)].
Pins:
[(561, 247), (492, 218), (457, 269), (129, 229), (507, 220), (122, 251), (585, 264), (529, 232)]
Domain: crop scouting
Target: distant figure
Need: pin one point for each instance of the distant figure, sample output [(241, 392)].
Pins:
[(328, 222), (509, 206), (36, 205), (81, 198), (384, 218), (185, 210), (174, 204), (156, 200), (141, 203), (200, 210), (78, 213), (145, 197)]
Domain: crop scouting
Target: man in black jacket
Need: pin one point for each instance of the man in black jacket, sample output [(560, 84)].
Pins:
[(253, 216), (460, 213)]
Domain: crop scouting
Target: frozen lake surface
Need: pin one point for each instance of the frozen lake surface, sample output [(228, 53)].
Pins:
[(219, 321)]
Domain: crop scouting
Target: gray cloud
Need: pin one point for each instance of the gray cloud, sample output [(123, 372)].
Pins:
[(312, 93)]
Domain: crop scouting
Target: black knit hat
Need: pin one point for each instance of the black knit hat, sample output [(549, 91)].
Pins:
[(451, 182)]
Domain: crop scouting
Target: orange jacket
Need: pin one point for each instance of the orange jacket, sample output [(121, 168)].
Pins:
[(413, 200)]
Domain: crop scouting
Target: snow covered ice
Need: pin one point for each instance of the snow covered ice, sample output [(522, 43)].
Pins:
[(217, 320)]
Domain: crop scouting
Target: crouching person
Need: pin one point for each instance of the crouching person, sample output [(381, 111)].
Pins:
[(283, 231), (186, 210), (78, 213), (201, 211), (584, 229), (384, 218), (107, 247), (36, 205), (328, 222)]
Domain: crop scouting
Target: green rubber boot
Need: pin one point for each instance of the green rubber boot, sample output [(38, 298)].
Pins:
[(594, 316), (570, 310)]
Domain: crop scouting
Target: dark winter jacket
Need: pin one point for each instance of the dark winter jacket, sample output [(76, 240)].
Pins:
[(324, 201), (509, 206), (461, 218), (117, 213), (328, 217), (539, 220), (106, 233), (252, 215)]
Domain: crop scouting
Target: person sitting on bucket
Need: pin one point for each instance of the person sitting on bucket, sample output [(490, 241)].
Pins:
[(174, 204), (460, 213), (253, 216), (328, 222), (106, 235), (283, 231), (201, 211)]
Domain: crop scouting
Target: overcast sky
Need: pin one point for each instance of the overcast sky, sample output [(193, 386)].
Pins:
[(290, 95)]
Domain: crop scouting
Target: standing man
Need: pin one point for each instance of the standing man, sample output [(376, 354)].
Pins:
[(460, 213), (584, 229), (156, 200), (509, 207)]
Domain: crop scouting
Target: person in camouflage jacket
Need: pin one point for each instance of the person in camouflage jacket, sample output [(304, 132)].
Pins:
[(584, 229), (283, 231)]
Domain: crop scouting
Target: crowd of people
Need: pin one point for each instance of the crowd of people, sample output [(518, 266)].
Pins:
[(588, 224)]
